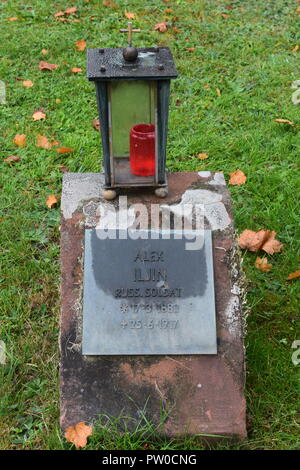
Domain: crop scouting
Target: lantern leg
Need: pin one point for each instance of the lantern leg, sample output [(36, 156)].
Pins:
[(109, 194), (161, 192)]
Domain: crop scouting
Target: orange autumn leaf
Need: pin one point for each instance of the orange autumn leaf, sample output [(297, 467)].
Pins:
[(293, 275), (59, 13), (202, 156), (162, 27), (76, 70), (237, 178), (96, 124), (63, 150), (190, 49), (224, 15), (78, 434), (13, 18), (46, 66), (80, 45), (11, 159), (110, 3), (262, 264), (261, 240), (130, 16), (71, 11), (43, 142), (51, 201), (38, 115), (20, 140), (271, 245), (27, 83), (285, 121)]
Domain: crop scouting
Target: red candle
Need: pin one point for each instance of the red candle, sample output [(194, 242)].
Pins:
[(142, 149)]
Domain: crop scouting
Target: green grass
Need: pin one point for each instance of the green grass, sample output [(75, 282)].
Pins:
[(248, 57)]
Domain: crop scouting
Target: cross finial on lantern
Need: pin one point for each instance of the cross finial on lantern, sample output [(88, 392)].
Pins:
[(130, 30)]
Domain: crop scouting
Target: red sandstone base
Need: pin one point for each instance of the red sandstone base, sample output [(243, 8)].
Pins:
[(200, 394)]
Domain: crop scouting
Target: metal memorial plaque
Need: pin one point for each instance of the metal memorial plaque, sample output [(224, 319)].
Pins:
[(148, 296)]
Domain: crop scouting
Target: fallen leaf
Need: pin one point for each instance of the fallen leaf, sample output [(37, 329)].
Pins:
[(271, 245), (43, 142), (76, 20), (59, 13), (96, 124), (46, 66), (44, 51), (162, 27), (190, 49), (51, 201), (38, 115), (218, 91), (78, 434), (237, 178), (229, 7), (58, 101), (11, 159), (27, 83), (284, 121), (80, 45), (178, 103), (293, 275), (20, 140), (71, 11), (262, 264), (168, 10), (177, 31), (202, 156), (261, 240), (130, 16), (298, 9), (12, 18), (296, 48), (207, 86), (110, 3), (251, 240), (224, 15), (63, 150), (76, 70)]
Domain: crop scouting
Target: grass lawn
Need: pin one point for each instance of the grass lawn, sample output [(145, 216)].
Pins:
[(231, 87)]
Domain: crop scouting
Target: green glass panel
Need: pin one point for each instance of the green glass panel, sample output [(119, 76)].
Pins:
[(132, 102)]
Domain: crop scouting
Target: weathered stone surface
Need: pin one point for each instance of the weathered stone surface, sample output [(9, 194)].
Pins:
[(202, 394)]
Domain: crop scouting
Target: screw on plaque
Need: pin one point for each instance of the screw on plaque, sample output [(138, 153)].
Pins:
[(130, 53)]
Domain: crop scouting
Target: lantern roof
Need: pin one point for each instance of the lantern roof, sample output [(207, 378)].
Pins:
[(152, 63)]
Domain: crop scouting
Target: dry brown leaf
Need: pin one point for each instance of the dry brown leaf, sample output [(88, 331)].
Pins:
[(253, 241), (46, 66), (78, 434), (76, 70), (51, 201), (59, 13), (11, 159), (80, 45), (168, 10), (130, 16), (96, 124), (271, 245), (44, 51), (293, 275), (162, 27), (284, 121), (43, 142), (63, 150), (237, 178), (296, 48), (20, 140), (27, 83), (38, 115), (202, 156), (71, 11), (262, 264), (298, 9)]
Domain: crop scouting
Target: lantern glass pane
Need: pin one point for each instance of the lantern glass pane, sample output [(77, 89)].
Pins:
[(132, 129)]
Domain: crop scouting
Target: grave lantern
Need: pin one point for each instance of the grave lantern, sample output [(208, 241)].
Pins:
[(132, 90)]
